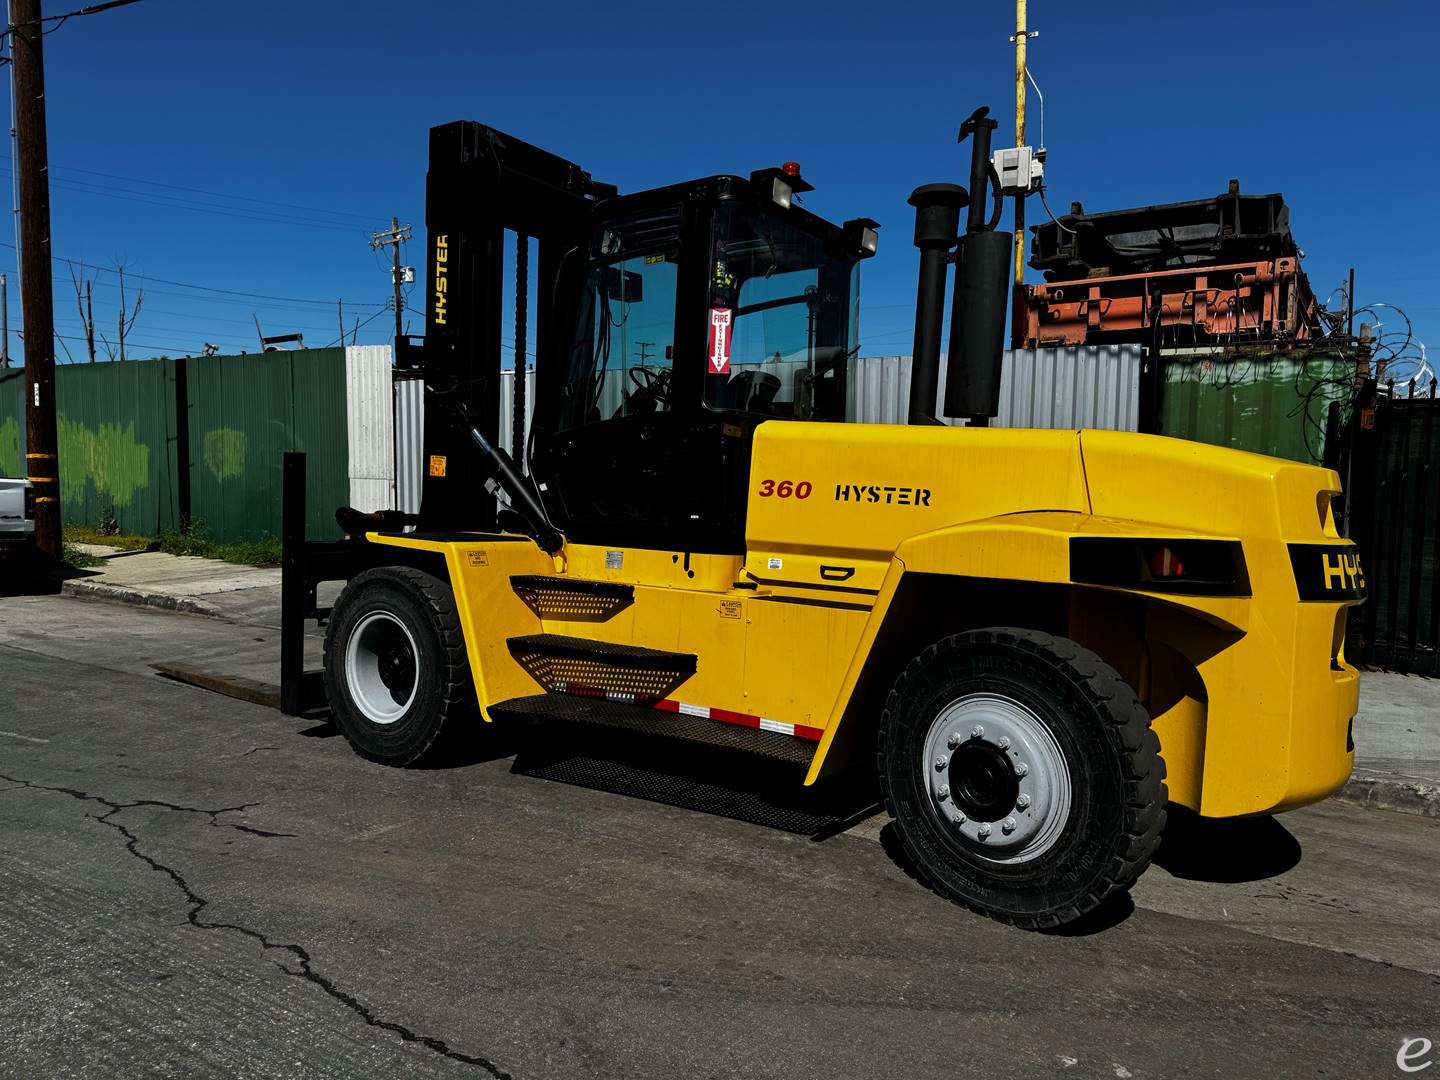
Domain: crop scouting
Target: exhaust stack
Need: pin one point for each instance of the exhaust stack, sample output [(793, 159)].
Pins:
[(981, 291)]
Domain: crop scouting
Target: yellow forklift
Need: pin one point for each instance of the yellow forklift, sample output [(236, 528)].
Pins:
[(1034, 638)]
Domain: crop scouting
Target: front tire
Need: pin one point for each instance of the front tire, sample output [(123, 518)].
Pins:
[(396, 671), (1022, 775)]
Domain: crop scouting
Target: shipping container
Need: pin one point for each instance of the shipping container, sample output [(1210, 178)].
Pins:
[(1264, 401)]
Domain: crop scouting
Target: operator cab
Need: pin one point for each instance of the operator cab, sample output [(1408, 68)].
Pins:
[(669, 323), (699, 311)]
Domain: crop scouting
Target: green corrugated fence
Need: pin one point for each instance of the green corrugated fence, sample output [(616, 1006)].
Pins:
[(119, 427), (245, 412)]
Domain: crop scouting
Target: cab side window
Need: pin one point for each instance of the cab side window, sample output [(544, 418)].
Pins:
[(621, 358)]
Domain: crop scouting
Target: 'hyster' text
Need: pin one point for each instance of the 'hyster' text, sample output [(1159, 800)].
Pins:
[(879, 493)]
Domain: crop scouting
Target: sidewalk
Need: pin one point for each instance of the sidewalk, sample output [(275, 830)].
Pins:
[(1397, 744), (1397, 731), (244, 594)]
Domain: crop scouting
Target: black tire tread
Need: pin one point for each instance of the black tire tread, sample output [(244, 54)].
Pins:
[(456, 694), (1129, 726)]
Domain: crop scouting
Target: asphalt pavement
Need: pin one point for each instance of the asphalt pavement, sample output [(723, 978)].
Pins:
[(193, 886)]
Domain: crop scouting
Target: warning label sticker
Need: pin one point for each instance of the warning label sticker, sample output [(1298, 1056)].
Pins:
[(721, 323), (729, 609), (479, 557)]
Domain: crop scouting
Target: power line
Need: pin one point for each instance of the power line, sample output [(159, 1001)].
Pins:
[(61, 20), (356, 329), (203, 288), (363, 220), (81, 187)]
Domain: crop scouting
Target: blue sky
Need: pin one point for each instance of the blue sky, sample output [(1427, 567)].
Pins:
[(287, 133)]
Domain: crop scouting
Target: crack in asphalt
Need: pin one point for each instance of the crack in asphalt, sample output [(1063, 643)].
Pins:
[(198, 903)]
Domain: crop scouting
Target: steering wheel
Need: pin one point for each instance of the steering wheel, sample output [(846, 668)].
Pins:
[(652, 383)]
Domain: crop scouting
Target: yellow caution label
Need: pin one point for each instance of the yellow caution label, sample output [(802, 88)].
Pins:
[(478, 558), (437, 464)]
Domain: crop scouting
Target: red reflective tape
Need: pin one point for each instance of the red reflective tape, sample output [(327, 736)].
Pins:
[(725, 716), (729, 717), (579, 689)]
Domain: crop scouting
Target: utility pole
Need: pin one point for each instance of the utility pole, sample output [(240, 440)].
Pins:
[(1017, 299), (37, 298), (394, 236), (4, 324)]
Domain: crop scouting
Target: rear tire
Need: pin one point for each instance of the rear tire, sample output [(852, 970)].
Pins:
[(396, 671), (1022, 775)]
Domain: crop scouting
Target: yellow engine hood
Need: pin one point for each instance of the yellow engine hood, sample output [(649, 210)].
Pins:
[(1206, 489)]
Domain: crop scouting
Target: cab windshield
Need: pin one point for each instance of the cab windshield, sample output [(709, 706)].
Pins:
[(783, 317)]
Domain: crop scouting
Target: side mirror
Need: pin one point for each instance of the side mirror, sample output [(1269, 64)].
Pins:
[(624, 286)]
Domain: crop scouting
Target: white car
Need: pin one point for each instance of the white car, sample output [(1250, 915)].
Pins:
[(17, 512)]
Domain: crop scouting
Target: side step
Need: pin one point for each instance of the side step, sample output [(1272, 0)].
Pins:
[(571, 598), (638, 718), (578, 665)]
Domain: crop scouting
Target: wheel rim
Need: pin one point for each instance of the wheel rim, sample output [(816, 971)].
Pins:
[(997, 778), (381, 668)]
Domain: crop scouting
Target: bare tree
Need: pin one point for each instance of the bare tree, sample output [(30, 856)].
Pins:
[(126, 320), (85, 306)]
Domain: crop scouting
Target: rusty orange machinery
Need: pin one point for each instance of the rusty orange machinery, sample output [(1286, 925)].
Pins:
[(1268, 299)]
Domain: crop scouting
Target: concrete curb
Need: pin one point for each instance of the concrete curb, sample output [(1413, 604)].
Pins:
[(1406, 794), (117, 594)]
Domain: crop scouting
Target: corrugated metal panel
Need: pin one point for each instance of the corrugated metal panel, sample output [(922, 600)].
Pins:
[(245, 412), (370, 426), (410, 430), (409, 441), (1265, 402), (881, 389), (1092, 386), (507, 408), (115, 428), (12, 421)]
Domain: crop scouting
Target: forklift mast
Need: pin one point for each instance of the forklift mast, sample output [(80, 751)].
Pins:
[(482, 182)]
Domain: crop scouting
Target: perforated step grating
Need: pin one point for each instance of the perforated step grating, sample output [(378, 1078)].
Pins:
[(579, 665), (570, 598), (647, 721)]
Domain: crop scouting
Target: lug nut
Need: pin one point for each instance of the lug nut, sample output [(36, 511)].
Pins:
[(953, 741), (1021, 769), (977, 732), (1003, 743), (1022, 802), (941, 762), (1008, 824), (959, 818), (943, 792), (984, 831)]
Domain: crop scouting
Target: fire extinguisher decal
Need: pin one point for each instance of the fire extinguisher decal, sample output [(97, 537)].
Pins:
[(721, 325)]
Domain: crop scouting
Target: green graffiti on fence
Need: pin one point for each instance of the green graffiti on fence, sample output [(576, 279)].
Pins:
[(110, 458), (10, 446), (224, 452)]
